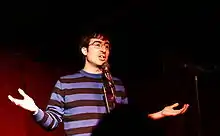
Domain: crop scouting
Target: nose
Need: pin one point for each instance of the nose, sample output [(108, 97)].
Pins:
[(103, 48)]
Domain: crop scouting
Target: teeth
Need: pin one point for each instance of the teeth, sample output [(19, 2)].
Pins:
[(101, 57)]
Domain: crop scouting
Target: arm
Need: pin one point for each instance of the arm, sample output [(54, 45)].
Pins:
[(48, 119), (123, 95), (167, 111), (53, 115), (120, 91)]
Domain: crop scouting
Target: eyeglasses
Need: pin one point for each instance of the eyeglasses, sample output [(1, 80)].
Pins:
[(100, 45)]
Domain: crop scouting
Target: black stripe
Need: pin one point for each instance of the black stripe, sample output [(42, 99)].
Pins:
[(83, 116), (81, 130), (56, 103), (44, 119), (83, 91), (55, 112), (84, 103), (51, 124)]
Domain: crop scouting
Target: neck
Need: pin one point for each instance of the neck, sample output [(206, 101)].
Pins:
[(92, 68)]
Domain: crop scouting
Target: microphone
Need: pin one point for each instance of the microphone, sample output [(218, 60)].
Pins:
[(200, 68), (194, 67), (106, 71), (105, 66)]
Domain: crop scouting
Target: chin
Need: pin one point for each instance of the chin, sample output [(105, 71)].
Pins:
[(100, 64)]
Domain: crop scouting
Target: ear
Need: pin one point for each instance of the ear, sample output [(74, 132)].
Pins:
[(84, 50)]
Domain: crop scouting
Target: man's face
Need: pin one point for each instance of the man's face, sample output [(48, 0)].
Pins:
[(98, 51)]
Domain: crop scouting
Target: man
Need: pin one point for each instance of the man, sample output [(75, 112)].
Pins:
[(77, 99)]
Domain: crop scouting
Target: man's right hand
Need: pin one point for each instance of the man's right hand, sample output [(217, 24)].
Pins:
[(27, 103)]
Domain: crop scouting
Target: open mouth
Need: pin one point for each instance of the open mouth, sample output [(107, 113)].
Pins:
[(102, 57)]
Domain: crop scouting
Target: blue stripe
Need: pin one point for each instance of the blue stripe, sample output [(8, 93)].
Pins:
[(75, 97), (118, 99), (91, 75), (82, 85), (53, 118), (88, 85), (85, 109), (57, 97), (49, 120), (58, 109), (39, 116), (81, 123), (115, 78), (58, 84), (119, 88), (85, 134), (124, 101)]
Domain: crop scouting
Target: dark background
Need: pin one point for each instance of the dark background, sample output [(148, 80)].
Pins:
[(152, 40)]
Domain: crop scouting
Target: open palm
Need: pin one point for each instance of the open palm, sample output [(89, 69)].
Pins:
[(26, 103), (170, 111)]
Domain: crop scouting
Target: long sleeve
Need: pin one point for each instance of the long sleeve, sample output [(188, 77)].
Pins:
[(121, 91), (52, 116), (124, 97)]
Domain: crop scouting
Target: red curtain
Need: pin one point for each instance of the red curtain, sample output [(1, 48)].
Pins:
[(37, 80)]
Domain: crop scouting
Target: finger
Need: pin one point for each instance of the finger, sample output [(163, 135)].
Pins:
[(183, 109), (15, 101), (174, 105), (186, 106), (11, 98), (22, 93)]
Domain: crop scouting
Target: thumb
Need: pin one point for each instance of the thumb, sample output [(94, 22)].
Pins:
[(10, 98)]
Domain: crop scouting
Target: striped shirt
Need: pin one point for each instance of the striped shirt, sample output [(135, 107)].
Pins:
[(77, 101)]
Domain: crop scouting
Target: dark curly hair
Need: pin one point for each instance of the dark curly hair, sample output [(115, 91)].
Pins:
[(86, 38)]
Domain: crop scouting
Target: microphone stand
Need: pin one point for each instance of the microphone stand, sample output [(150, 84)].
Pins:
[(196, 70), (106, 100), (198, 105)]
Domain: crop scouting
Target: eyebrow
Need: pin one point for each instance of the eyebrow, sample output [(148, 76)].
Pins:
[(107, 42)]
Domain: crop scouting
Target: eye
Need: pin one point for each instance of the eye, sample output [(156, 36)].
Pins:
[(97, 44), (107, 46)]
